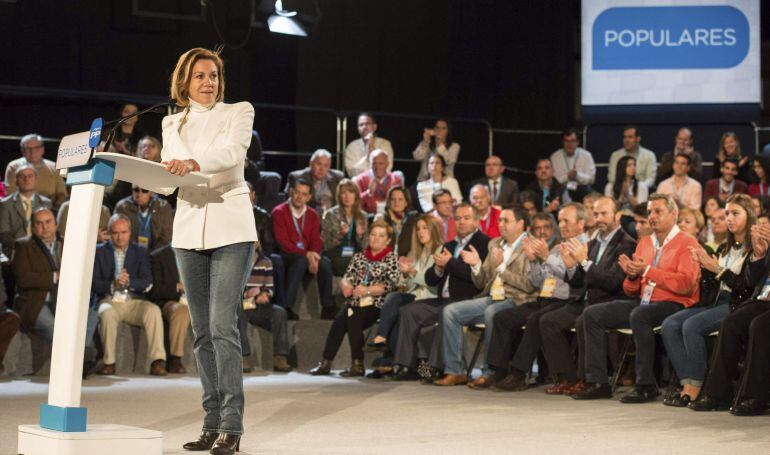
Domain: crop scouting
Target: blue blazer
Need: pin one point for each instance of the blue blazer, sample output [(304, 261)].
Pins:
[(137, 264)]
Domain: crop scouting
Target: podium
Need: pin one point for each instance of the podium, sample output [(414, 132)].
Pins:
[(62, 428)]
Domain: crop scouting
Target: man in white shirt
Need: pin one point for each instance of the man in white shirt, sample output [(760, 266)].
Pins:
[(646, 163), (686, 190), (573, 166), (357, 153)]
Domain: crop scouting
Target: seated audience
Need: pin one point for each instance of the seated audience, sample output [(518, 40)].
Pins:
[(549, 192), (691, 222), (511, 350), (437, 180), (48, 181), (544, 228), (148, 148), (730, 148), (726, 185), (127, 135), (168, 293), (718, 229), (35, 268), (588, 203), (488, 214), (442, 201), (686, 190), (17, 208), (453, 279), (503, 278), (641, 221), (595, 275), (628, 191), (661, 279), (151, 219), (344, 226), (375, 184), (646, 163), (573, 166), (426, 242), (400, 216), (102, 235), (723, 280), (756, 204), (528, 201), (321, 177), (371, 275), (122, 277), (266, 184), (744, 331), (260, 311), (297, 231), (358, 152), (503, 190), (683, 144), (267, 247), (437, 140), (761, 169)]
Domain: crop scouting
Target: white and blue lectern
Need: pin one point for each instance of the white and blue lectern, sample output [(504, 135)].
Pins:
[(62, 429)]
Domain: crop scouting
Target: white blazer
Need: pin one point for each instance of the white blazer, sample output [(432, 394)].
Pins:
[(218, 214)]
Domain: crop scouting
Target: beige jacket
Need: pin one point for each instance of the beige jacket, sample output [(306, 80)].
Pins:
[(517, 285)]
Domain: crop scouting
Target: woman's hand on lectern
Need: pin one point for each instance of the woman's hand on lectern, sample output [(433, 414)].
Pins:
[(181, 167)]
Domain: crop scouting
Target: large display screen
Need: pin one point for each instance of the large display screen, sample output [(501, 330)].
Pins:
[(653, 52)]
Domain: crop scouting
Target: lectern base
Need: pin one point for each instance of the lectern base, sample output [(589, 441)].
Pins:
[(96, 440)]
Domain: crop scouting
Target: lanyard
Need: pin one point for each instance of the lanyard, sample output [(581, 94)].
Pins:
[(446, 227), (659, 248), (730, 256), (461, 246), (297, 227), (397, 231), (350, 229), (381, 189), (144, 221), (546, 192), (366, 274)]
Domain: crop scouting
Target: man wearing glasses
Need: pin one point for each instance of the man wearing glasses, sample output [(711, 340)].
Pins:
[(357, 153), (151, 218)]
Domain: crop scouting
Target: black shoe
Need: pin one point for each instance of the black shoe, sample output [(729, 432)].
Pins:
[(707, 403), (371, 346), (749, 407), (594, 391), (328, 313), (226, 444), (204, 442), (641, 394), (405, 374), (434, 374), (291, 315), (677, 401)]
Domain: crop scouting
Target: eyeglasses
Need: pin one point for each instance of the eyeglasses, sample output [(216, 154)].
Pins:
[(140, 190)]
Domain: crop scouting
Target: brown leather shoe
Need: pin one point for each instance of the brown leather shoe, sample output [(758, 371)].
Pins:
[(356, 370), (578, 388), (158, 368), (560, 389), (323, 368), (483, 382), (107, 369), (175, 366), (512, 383), (281, 364), (204, 442), (452, 380), (246, 365), (226, 444)]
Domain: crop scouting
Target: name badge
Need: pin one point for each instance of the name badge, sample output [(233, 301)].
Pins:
[(765, 293), (249, 303), (143, 240), (497, 291), (347, 251), (120, 296), (549, 285), (365, 301), (301, 245), (572, 185), (381, 207), (647, 293)]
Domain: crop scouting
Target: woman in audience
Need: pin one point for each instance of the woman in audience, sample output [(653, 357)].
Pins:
[(710, 205), (426, 241), (343, 228), (691, 222), (401, 218), (626, 189), (761, 171), (370, 276), (723, 280), (437, 180), (730, 147), (528, 201), (149, 148), (437, 140)]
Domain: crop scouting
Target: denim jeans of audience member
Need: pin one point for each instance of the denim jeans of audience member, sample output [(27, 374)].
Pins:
[(45, 322), (296, 267), (279, 280), (391, 309), (684, 334), (214, 281), (467, 312), (269, 317)]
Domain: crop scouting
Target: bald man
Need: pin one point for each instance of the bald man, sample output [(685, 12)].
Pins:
[(502, 190)]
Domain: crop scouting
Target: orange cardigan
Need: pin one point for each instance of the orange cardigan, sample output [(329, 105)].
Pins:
[(677, 276)]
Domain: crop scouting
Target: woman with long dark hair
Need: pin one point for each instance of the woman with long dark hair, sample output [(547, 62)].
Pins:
[(626, 188), (437, 140)]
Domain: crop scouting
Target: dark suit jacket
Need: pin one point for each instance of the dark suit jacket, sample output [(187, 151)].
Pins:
[(712, 188), (13, 223), (32, 267), (137, 264), (604, 281), (161, 221), (165, 276), (508, 192), (334, 179), (461, 285), (556, 190)]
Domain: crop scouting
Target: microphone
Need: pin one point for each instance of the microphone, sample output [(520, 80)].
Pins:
[(158, 108)]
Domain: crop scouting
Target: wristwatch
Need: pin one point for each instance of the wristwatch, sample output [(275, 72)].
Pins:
[(584, 263)]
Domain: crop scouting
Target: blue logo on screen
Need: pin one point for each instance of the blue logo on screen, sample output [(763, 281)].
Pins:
[(95, 132), (670, 37)]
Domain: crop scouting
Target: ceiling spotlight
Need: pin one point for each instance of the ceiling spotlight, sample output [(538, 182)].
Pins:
[(282, 21)]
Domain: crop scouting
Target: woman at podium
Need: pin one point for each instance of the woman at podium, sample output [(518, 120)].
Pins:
[(214, 234)]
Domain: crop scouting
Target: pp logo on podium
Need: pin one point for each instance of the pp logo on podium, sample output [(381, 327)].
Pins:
[(75, 149)]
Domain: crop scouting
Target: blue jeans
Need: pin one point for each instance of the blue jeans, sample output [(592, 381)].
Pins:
[(684, 334), (467, 312), (214, 280), (45, 322)]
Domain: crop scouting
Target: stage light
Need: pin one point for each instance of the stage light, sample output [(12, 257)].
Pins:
[(282, 21)]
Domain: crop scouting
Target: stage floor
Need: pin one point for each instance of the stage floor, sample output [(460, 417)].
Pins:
[(301, 414)]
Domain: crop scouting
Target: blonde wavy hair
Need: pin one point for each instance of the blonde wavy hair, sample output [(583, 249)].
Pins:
[(180, 78)]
